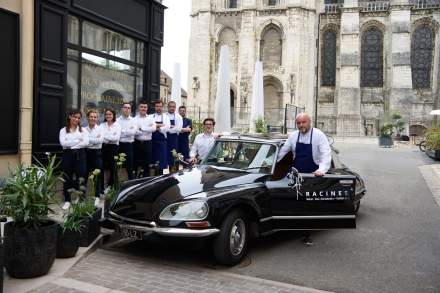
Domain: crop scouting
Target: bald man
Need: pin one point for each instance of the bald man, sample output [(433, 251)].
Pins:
[(310, 147)]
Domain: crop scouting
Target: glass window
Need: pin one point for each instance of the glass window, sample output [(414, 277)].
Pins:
[(106, 41), (105, 83), (252, 157), (72, 79), (140, 53), (232, 4), (73, 30), (372, 58), (139, 84), (329, 59), (421, 57)]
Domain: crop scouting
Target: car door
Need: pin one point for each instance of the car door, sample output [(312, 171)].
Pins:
[(325, 202)]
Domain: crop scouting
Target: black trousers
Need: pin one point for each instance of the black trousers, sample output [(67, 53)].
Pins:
[(143, 150), (74, 168), (127, 149), (109, 151), (94, 161)]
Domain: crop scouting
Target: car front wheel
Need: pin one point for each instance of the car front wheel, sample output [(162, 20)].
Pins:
[(231, 244)]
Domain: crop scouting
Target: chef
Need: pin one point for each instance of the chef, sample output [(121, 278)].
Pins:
[(309, 146)]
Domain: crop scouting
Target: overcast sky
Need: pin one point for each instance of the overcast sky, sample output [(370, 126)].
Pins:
[(176, 43)]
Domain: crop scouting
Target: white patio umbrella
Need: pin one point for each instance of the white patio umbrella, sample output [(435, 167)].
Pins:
[(257, 105), (222, 109), (176, 89), (435, 112)]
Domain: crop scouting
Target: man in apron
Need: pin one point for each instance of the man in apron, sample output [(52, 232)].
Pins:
[(159, 137), (185, 132), (173, 133), (309, 146)]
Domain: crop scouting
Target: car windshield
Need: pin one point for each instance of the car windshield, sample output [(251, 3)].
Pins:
[(249, 156)]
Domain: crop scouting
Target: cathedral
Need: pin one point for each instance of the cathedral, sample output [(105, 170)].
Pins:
[(350, 64)]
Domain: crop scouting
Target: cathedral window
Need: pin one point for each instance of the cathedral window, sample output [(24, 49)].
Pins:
[(421, 57), (372, 58), (328, 71), (232, 3), (271, 48), (272, 2)]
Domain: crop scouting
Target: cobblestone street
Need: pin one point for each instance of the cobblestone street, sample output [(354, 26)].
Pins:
[(111, 271)]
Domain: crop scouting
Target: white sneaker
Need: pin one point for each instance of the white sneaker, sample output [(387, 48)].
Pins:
[(96, 202), (66, 205)]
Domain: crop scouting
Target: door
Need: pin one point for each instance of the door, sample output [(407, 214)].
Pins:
[(315, 203)]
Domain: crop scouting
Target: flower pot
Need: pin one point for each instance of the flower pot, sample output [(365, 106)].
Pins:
[(68, 243), (434, 154), (91, 229), (385, 141), (30, 252)]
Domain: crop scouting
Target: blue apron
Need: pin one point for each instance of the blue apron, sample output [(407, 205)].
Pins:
[(159, 147), (172, 143), (183, 140), (303, 161)]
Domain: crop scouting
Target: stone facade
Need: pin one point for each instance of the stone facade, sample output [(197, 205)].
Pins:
[(370, 80)]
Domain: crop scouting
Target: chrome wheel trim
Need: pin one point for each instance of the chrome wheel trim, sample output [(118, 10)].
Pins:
[(237, 237)]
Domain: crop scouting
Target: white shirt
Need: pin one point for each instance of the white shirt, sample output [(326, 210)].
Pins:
[(178, 123), (202, 144), (145, 127), (112, 133), (74, 139), (321, 151), (128, 128), (162, 119), (95, 137)]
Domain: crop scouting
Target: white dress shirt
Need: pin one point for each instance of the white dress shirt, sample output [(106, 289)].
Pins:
[(74, 139), (178, 123), (162, 119), (145, 127), (202, 144), (96, 137), (112, 133), (321, 151), (128, 128)]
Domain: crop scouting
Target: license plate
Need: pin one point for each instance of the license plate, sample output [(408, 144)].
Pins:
[(130, 233)]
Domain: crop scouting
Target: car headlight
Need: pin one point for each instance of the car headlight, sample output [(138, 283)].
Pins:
[(185, 211)]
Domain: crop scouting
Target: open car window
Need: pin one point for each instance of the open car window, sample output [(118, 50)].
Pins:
[(248, 156)]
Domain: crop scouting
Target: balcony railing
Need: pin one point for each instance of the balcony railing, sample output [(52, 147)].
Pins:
[(425, 4), (272, 3), (373, 6), (333, 8)]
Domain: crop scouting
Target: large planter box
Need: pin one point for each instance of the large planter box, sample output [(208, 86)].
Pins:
[(1, 265), (385, 142), (92, 229), (68, 243), (30, 252), (434, 154)]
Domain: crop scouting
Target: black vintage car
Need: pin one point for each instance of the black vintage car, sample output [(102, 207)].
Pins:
[(238, 192)]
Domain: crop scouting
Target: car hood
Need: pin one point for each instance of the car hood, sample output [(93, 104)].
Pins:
[(144, 201)]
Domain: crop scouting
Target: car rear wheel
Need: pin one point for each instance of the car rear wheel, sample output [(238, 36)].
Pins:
[(231, 244)]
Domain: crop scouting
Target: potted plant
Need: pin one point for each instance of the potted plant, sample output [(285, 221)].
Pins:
[(432, 138), (90, 216), (31, 237), (111, 191), (386, 133), (69, 234), (398, 124)]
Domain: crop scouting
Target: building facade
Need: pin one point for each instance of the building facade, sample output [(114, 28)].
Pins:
[(64, 54), (166, 85), (352, 62)]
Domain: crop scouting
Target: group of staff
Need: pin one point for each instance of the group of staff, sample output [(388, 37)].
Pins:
[(148, 141)]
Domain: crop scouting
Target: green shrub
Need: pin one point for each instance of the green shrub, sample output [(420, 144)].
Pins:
[(433, 138), (387, 130), (260, 125)]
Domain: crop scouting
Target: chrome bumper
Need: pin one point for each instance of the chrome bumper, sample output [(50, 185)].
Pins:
[(165, 231)]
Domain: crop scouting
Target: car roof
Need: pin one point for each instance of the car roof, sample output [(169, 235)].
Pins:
[(274, 138)]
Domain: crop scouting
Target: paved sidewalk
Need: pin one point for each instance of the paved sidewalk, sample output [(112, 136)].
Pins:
[(107, 271), (431, 173)]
